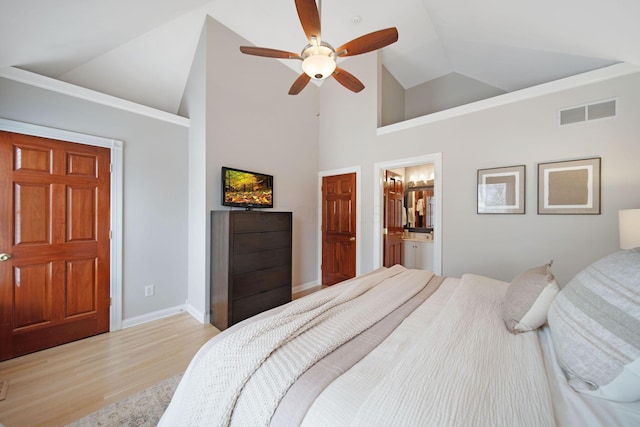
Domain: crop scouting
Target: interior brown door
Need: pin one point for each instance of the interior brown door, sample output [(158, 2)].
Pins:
[(338, 228), (393, 224), (54, 241)]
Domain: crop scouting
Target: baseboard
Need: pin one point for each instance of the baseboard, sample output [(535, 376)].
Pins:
[(304, 286), (156, 315), (196, 314)]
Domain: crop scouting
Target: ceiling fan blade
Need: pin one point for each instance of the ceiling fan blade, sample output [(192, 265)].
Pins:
[(299, 84), (269, 53), (368, 42), (309, 18), (348, 80)]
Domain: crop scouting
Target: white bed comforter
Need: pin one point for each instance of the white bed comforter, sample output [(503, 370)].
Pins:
[(241, 379), (461, 369)]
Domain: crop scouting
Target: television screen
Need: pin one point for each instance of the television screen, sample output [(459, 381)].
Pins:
[(246, 189)]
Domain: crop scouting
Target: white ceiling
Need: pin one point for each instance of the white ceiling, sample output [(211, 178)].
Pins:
[(142, 50)]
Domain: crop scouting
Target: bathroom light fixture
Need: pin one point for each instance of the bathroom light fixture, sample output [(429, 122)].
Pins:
[(629, 224)]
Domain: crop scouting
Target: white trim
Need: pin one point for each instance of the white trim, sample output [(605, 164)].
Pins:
[(33, 79), (342, 171), (116, 199), (378, 195), (150, 317), (304, 286), (196, 314), (602, 74)]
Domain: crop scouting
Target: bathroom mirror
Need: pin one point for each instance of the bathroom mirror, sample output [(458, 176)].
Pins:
[(419, 208)]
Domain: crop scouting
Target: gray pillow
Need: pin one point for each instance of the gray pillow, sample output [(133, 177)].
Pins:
[(528, 298), (595, 328)]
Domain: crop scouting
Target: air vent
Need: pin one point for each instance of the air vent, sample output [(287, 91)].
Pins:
[(601, 110), (573, 115), (594, 111)]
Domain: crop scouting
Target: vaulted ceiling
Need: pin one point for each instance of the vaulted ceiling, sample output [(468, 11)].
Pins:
[(142, 50)]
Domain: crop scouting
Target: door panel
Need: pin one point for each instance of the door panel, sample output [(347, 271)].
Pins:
[(32, 284), (31, 213), (80, 286), (54, 223), (338, 228), (393, 224), (81, 204)]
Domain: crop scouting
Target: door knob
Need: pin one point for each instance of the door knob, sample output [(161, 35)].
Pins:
[(352, 239), (5, 257)]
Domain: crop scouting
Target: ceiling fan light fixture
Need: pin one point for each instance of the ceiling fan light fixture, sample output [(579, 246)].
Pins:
[(318, 66), (319, 58), (318, 61)]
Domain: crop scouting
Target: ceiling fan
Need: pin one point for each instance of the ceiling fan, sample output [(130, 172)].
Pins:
[(318, 57)]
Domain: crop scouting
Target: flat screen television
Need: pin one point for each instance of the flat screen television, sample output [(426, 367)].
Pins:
[(246, 189)]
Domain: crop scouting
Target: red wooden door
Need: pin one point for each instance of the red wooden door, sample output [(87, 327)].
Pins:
[(338, 228), (54, 234), (393, 224)]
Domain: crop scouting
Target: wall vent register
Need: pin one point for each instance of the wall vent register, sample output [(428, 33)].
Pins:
[(593, 111)]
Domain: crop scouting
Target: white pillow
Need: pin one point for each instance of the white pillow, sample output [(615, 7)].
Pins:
[(595, 327), (528, 298)]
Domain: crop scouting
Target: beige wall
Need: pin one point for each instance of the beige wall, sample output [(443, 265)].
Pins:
[(155, 179), (445, 92), (172, 172), (249, 122), (393, 99), (522, 132)]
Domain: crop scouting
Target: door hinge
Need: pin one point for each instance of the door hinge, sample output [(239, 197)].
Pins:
[(110, 301), (110, 167), (110, 234)]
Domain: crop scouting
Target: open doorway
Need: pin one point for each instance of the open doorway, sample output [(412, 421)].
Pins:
[(426, 207)]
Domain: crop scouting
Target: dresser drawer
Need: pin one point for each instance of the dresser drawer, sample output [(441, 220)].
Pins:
[(250, 242), (253, 261), (250, 306), (247, 222), (253, 282)]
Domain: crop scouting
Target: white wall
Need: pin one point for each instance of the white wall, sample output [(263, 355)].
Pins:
[(523, 132), (155, 171)]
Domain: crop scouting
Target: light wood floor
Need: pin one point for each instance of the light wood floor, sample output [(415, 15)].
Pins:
[(62, 384)]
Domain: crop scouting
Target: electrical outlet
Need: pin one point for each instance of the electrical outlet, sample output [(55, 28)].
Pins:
[(148, 291)]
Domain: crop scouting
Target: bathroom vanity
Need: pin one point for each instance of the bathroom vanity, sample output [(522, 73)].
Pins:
[(418, 251)]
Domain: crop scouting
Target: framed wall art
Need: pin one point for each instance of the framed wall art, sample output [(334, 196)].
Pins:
[(501, 190), (569, 187)]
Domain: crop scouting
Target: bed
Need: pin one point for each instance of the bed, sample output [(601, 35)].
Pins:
[(400, 347)]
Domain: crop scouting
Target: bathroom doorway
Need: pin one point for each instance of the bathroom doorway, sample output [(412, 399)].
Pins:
[(427, 197)]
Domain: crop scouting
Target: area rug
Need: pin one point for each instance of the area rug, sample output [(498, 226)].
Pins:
[(142, 409)]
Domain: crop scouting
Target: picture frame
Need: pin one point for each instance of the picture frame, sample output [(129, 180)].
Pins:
[(502, 190), (570, 187)]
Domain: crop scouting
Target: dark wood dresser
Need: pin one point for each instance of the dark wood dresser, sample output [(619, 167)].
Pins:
[(250, 264)]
